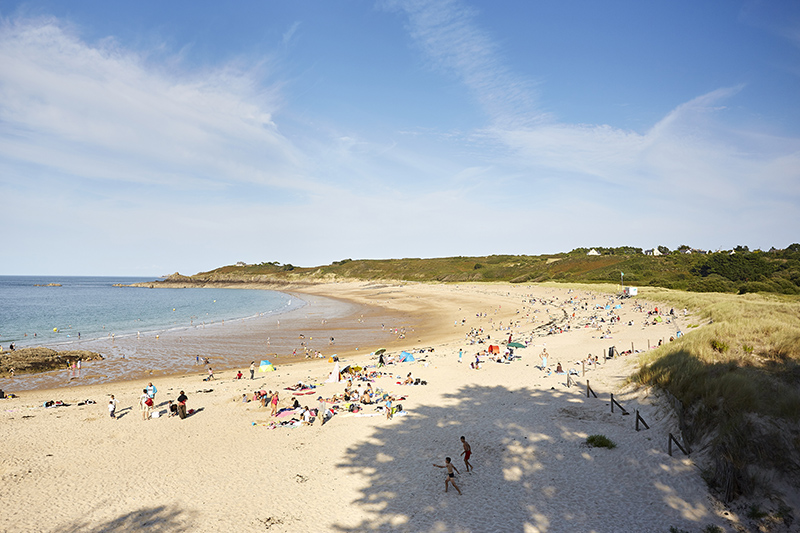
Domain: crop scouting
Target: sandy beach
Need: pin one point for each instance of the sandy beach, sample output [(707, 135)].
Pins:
[(225, 468)]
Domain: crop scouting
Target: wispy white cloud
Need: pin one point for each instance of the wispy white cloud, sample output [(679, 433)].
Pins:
[(690, 149), (690, 153), (289, 34), (446, 32), (102, 112)]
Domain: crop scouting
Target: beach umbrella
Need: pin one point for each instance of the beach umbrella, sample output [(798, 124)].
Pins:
[(378, 352), (516, 345), (335, 374)]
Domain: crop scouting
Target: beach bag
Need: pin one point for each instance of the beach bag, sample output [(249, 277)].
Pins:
[(149, 402)]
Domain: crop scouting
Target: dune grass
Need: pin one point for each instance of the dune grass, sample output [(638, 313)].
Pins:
[(600, 441), (738, 377)]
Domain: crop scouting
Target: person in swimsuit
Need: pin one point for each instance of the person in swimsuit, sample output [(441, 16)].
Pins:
[(466, 453), (274, 403), (450, 479)]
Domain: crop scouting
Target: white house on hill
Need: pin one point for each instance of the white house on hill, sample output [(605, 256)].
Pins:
[(593, 252)]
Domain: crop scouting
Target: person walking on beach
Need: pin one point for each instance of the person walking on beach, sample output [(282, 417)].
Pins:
[(450, 479), (466, 453), (182, 405), (151, 391), (460, 353), (321, 410), (543, 357), (252, 369), (112, 407), (144, 404), (388, 408)]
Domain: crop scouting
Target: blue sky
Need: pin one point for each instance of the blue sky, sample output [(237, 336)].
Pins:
[(144, 138)]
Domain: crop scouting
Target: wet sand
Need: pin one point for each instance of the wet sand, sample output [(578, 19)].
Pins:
[(284, 338)]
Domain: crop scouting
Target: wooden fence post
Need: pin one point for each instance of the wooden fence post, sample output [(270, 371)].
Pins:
[(638, 418), (669, 445), (613, 401)]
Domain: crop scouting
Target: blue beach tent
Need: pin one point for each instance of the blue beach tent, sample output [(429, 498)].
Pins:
[(406, 357)]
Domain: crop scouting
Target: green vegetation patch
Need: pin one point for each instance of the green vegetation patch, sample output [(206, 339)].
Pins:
[(737, 271), (600, 441), (738, 379)]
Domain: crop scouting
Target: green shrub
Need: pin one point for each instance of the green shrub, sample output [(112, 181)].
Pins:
[(600, 441), (757, 286), (719, 346)]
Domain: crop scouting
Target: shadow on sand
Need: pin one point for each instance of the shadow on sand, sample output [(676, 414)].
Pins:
[(532, 469), (151, 519)]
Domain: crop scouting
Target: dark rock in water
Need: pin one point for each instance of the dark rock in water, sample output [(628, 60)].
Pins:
[(39, 359)]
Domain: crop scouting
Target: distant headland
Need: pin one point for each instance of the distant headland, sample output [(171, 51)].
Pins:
[(739, 270)]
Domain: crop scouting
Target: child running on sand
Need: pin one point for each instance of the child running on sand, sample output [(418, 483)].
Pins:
[(466, 453), (450, 476)]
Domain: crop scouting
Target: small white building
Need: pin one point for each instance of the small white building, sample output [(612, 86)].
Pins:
[(653, 251), (593, 252), (631, 291)]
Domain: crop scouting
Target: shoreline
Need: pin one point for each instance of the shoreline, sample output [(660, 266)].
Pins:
[(355, 325)]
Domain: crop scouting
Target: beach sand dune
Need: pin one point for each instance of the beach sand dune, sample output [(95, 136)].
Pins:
[(75, 469)]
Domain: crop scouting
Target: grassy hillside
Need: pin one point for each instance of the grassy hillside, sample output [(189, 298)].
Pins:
[(739, 380), (740, 272)]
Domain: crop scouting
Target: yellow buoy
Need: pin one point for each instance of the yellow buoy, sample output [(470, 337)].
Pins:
[(55, 329), (173, 308)]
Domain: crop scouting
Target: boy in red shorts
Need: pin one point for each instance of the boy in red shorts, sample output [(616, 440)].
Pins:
[(466, 453)]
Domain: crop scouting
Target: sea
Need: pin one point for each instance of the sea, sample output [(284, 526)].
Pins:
[(139, 331), (58, 311)]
